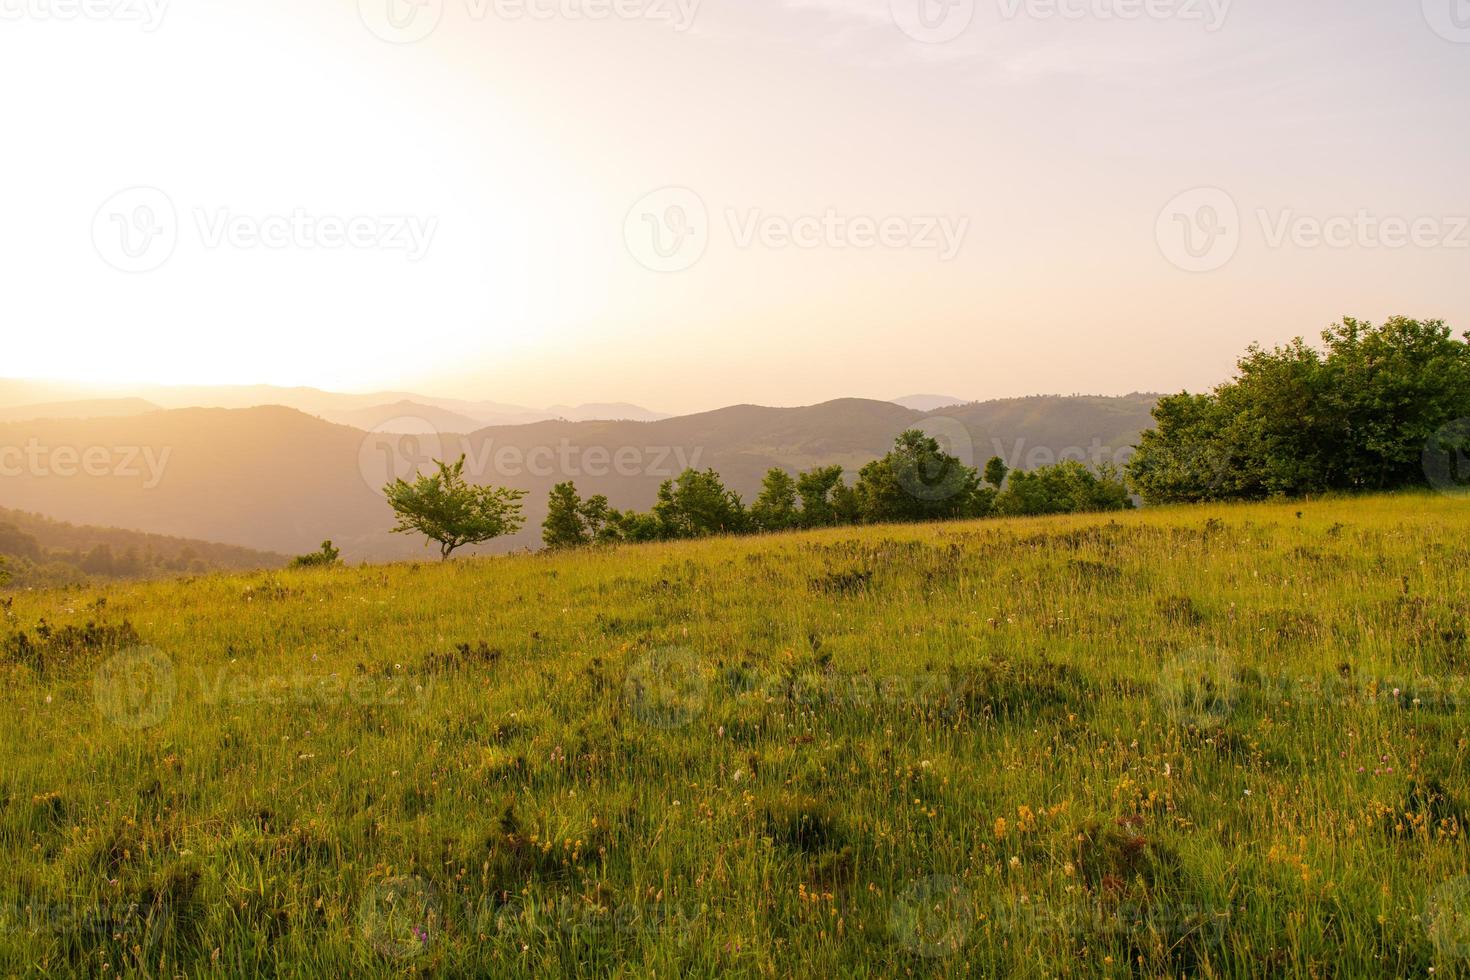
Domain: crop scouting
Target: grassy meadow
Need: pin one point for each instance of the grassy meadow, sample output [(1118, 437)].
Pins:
[(1203, 741)]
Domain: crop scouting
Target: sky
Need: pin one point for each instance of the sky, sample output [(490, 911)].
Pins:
[(693, 203)]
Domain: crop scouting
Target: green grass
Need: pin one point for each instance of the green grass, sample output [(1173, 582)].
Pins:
[(1161, 743)]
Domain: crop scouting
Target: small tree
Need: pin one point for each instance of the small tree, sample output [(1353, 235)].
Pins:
[(564, 526), (325, 558), (996, 471), (918, 481), (821, 491), (698, 504), (601, 520), (775, 508), (448, 510)]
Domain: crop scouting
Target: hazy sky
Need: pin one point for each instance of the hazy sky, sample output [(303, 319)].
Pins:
[(692, 203)]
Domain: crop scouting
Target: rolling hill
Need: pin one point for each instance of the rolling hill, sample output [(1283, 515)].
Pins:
[(87, 408), (41, 551), (281, 480), (1222, 741)]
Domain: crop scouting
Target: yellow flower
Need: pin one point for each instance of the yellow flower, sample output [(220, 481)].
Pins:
[(1000, 828)]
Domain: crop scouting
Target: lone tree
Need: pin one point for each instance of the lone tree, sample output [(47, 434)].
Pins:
[(446, 509)]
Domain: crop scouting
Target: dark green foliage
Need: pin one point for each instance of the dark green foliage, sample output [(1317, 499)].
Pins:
[(821, 498), (697, 505), (564, 526), (916, 481), (48, 648), (775, 508), (327, 557), (1361, 414), (919, 481), (452, 512), (1066, 488)]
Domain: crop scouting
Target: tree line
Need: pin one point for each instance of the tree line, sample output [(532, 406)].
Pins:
[(916, 481), (1376, 408)]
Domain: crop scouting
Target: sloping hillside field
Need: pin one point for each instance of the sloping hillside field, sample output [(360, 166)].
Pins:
[(1213, 741)]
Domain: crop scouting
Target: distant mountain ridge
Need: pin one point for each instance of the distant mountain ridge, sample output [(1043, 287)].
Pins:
[(347, 409), (281, 480), (88, 408), (930, 403)]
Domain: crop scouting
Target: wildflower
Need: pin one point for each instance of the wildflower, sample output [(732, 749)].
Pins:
[(1000, 828)]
